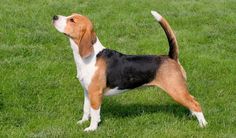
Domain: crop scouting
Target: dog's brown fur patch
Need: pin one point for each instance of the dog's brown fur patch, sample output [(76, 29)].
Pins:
[(171, 79), (98, 84)]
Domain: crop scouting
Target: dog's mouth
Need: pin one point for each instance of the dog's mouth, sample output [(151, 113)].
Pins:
[(55, 25), (66, 35)]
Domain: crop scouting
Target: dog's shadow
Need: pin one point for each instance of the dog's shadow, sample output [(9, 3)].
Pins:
[(114, 109)]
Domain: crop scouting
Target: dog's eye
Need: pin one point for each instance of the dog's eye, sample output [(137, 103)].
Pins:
[(72, 20)]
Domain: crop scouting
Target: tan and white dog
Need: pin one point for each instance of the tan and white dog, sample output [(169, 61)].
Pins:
[(103, 71)]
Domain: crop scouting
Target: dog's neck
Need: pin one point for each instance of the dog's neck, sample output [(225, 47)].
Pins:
[(97, 46)]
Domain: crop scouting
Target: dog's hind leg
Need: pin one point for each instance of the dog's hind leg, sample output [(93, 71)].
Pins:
[(170, 78)]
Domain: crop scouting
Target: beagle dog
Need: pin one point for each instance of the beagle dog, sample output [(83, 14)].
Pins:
[(103, 71)]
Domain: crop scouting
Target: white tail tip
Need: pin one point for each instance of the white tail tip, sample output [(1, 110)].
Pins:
[(156, 15)]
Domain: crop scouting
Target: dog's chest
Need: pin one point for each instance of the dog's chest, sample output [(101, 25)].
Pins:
[(85, 74), (85, 68)]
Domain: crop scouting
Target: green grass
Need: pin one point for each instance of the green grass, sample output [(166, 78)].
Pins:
[(40, 96)]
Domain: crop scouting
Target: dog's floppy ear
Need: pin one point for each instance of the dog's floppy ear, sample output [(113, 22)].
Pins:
[(86, 43)]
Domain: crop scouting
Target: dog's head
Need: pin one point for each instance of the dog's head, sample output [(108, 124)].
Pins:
[(80, 29)]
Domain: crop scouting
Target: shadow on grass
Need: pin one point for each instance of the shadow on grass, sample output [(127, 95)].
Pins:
[(118, 110)]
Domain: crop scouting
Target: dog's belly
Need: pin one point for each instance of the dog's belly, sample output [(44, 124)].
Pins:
[(113, 91)]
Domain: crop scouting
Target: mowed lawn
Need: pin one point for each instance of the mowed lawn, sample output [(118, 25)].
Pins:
[(41, 97)]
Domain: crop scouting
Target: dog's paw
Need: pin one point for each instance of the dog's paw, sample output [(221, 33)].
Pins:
[(203, 123), (201, 119), (82, 121), (89, 129)]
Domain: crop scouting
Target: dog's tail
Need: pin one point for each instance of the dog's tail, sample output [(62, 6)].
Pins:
[(173, 52)]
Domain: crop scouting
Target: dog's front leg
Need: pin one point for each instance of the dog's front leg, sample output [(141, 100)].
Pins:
[(86, 108), (95, 119), (95, 98)]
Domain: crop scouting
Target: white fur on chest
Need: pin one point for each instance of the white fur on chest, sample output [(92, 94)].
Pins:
[(85, 67)]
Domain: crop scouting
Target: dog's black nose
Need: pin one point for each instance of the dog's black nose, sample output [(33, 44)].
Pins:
[(55, 17)]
